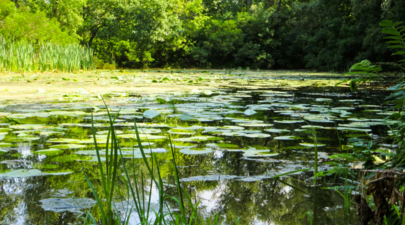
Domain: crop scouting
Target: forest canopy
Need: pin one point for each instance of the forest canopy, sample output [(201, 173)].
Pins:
[(257, 34)]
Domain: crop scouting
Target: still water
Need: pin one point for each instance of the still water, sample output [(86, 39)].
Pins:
[(229, 142)]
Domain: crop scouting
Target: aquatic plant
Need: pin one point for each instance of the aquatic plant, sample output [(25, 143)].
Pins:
[(368, 71), (23, 56), (114, 160)]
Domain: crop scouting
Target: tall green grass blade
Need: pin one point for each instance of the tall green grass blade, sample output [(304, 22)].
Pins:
[(176, 174), (100, 206)]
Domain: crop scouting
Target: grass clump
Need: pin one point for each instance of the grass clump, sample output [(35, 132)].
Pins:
[(23, 56), (116, 178)]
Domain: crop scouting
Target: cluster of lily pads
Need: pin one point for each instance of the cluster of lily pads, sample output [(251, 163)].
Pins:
[(199, 123), (258, 123)]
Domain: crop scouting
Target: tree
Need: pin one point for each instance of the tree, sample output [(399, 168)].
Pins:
[(20, 24)]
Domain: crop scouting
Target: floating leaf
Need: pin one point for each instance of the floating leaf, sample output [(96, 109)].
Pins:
[(69, 146), (49, 152), (277, 131), (287, 138), (186, 117), (151, 114), (67, 204), (194, 151), (21, 173), (311, 145), (250, 112), (257, 135)]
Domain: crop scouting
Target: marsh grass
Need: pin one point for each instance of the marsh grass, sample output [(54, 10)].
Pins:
[(137, 188), (22, 56)]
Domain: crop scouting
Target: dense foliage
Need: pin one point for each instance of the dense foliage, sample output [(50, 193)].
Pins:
[(290, 34)]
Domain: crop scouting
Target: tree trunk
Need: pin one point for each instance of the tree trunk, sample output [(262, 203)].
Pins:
[(93, 35)]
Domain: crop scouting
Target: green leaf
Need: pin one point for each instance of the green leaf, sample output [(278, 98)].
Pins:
[(186, 117), (394, 37), (386, 23), (390, 31), (151, 113), (353, 85), (340, 82), (397, 23), (396, 46), (394, 42), (402, 60), (394, 88), (161, 101), (399, 53)]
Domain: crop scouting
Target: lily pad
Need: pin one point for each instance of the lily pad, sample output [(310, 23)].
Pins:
[(209, 178), (63, 140), (27, 126), (49, 152), (258, 153), (57, 173), (196, 139), (5, 145), (186, 117), (70, 158), (21, 173), (312, 127), (257, 135), (255, 125), (73, 205), (289, 121), (249, 112), (151, 113), (311, 145), (69, 146), (194, 151), (288, 138), (277, 131)]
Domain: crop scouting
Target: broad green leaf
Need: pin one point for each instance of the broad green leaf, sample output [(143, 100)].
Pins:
[(397, 23), (394, 42), (186, 117), (399, 53), (390, 31), (394, 37), (21, 173), (386, 23), (396, 46), (161, 100), (250, 112), (151, 114)]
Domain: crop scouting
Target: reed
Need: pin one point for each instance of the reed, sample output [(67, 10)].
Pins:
[(22, 56), (137, 188)]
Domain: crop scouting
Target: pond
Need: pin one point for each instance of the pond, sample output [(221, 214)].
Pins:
[(233, 132)]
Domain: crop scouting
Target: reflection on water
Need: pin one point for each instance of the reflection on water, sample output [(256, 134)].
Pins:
[(240, 139)]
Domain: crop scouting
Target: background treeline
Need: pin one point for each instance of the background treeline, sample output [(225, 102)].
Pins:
[(278, 34)]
